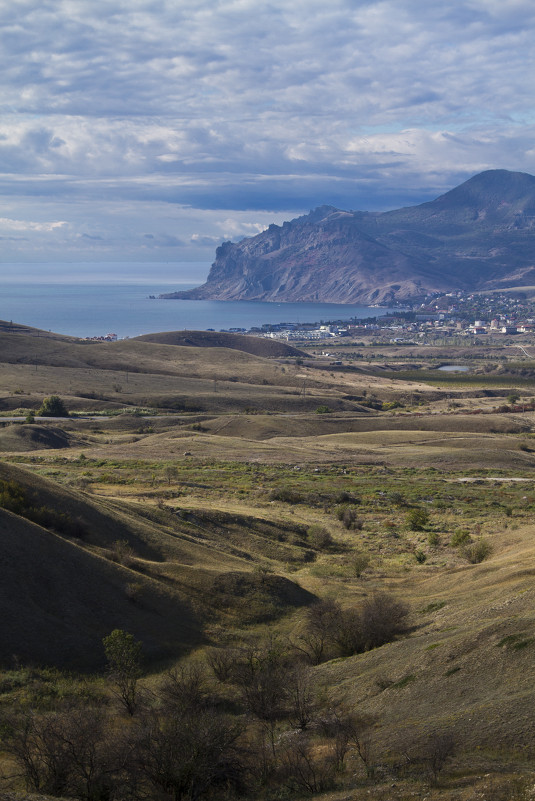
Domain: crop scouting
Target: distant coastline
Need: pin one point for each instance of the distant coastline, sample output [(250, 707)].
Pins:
[(92, 310)]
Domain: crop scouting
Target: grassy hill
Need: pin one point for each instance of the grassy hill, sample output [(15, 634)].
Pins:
[(466, 669), (209, 497), (77, 567), (59, 600), (257, 346)]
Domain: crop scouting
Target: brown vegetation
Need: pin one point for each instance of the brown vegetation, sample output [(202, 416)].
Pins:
[(345, 599)]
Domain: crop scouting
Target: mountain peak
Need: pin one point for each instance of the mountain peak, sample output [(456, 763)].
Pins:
[(478, 236), (492, 188)]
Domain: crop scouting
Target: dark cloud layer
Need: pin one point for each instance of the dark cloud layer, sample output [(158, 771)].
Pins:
[(192, 121)]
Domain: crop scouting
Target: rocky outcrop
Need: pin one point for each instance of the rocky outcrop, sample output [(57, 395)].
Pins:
[(479, 235)]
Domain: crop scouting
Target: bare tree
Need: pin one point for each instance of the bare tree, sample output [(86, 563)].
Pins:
[(351, 731), (438, 750), (300, 696), (187, 755), (184, 688), (222, 661), (317, 632), (302, 768), (68, 752)]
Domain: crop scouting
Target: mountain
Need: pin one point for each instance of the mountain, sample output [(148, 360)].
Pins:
[(480, 235)]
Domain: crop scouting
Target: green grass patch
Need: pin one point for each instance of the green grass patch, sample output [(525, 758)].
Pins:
[(433, 607), (508, 641), (518, 646), (404, 681)]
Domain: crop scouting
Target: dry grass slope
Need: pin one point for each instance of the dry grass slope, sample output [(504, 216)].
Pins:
[(257, 346)]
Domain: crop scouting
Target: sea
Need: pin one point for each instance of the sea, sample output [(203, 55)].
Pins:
[(97, 299)]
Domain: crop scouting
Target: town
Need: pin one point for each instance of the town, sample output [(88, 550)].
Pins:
[(452, 315)]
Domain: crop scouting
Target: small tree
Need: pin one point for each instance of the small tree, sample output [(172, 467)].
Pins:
[(437, 751), (360, 562), (53, 407), (417, 519), (319, 537), (123, 653), (317, 633), (171, 473)]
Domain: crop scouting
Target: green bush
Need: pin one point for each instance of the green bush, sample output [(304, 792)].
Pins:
[(319, 537), (348, 517), (345, 497), (417, 519), (478, 551), (15, 499), (359, 563), (460, 537), (397, 499), (53, 407), (286, 496)]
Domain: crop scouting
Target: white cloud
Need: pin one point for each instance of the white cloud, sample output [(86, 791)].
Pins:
[(248, 108), (26, 225)]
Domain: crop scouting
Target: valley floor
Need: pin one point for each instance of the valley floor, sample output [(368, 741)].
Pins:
[(361, 539)]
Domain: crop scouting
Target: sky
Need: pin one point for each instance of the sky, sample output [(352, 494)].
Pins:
[(153, 130)]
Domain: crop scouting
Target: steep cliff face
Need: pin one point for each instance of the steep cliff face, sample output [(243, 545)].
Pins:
[(480, 235)]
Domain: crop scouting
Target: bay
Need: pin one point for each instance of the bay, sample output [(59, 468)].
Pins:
[(118, 301)]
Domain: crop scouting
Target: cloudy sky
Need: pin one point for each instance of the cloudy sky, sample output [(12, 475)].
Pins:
[(152, 130)]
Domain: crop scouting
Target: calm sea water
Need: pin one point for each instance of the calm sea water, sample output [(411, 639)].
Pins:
[(117, 301)]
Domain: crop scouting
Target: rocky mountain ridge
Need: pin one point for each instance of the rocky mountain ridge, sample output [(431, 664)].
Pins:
[(480, 235)]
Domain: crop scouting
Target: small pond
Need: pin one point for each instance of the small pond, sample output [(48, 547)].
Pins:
[(454, 368)]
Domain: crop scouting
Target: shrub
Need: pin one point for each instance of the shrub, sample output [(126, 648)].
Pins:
[(439, 748), (478, 551), (305, 769), (460, 537), (345, 497), (319, 537), (122, 552), (53, 407), (353, 630), (66, 752), (397, 499), (323, 409), (286, 496), (360, 562), (348, 517), (15, 498), (417, 519), (383, 618), (433, 539)]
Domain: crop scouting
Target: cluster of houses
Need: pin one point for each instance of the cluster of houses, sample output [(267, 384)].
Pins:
[(421, 323), (323, 332), (501, 327), (107, 338)]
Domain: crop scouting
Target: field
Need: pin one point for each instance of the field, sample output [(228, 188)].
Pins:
[(271, 528)]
